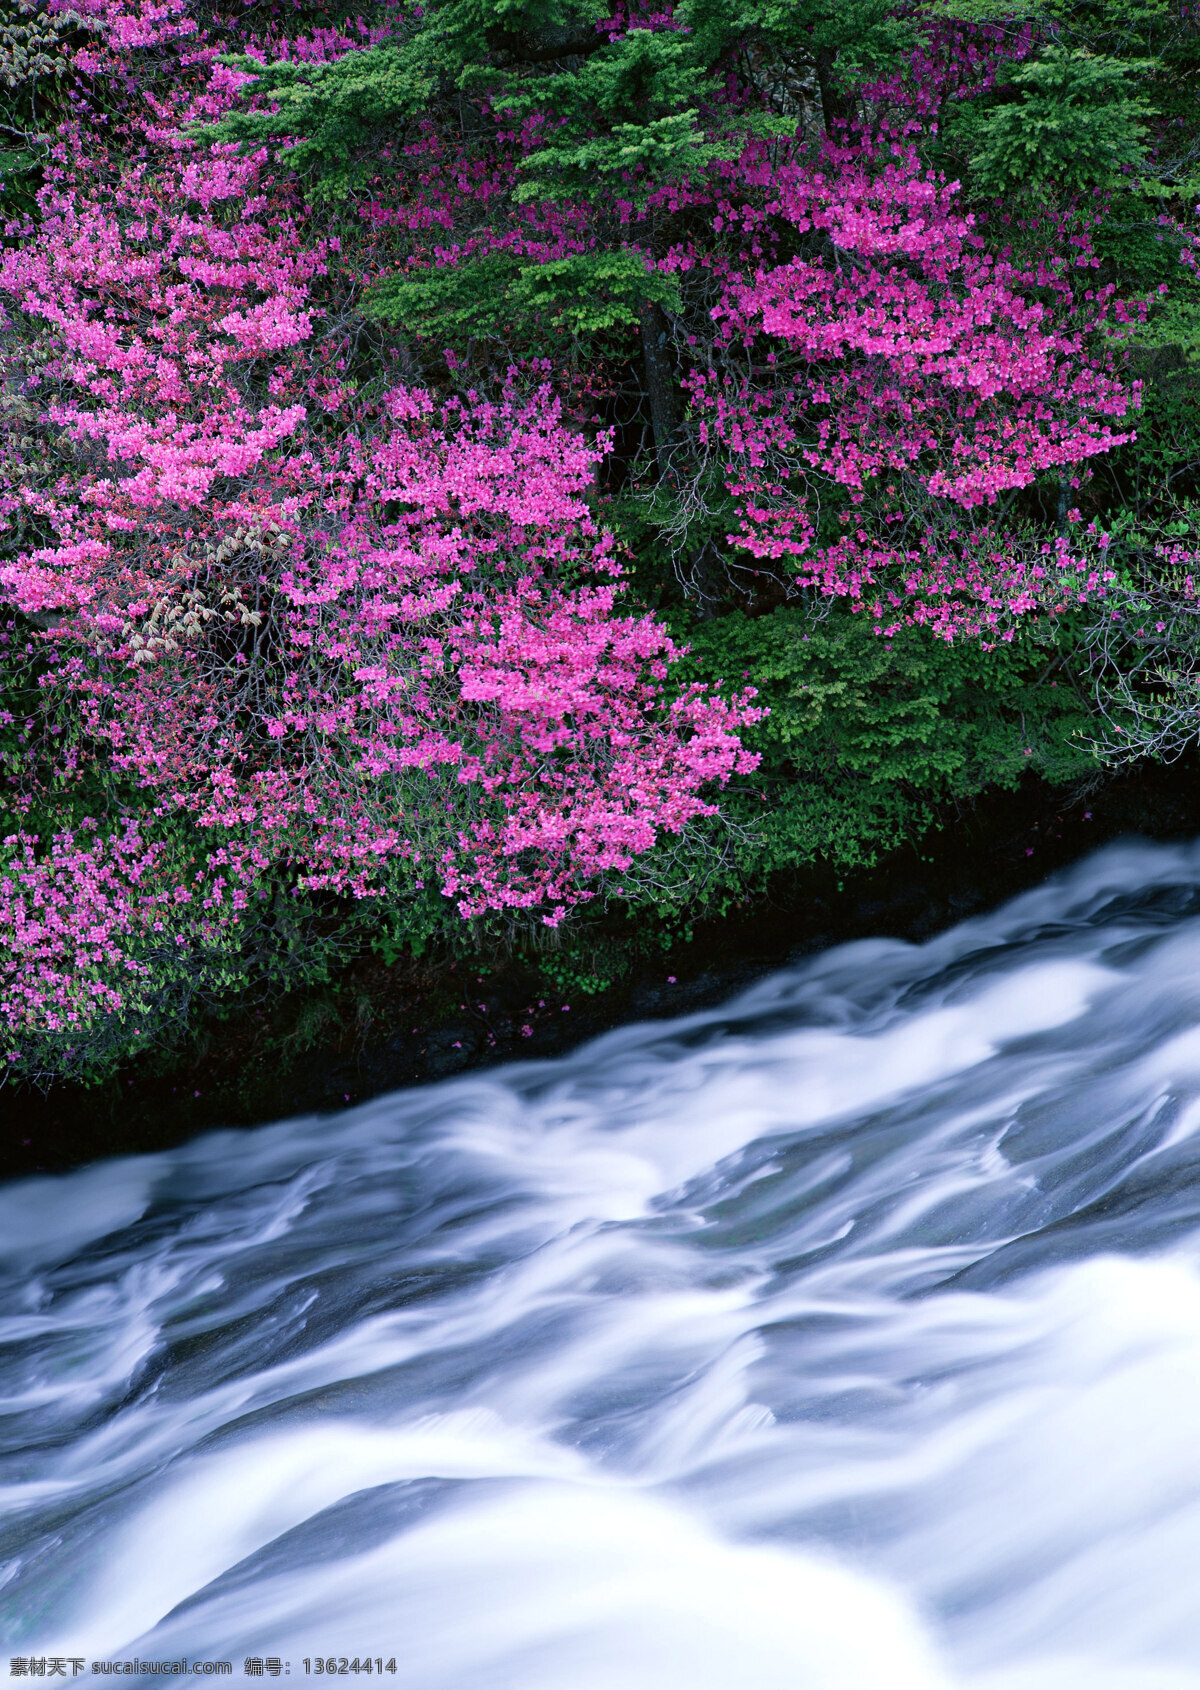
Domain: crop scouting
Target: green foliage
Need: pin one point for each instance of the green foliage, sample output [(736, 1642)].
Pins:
[(633, 107), (1162, 465), (627, 112), (1126, 29), (868, 736), (1070, 123), (1141, 249), (633, 103), (592, 291), (583, 970), (334, 112), (452, 300), (497, 296), (335, 115)]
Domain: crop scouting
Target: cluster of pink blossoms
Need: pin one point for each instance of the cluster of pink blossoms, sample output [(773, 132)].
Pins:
[(101, 925), (364, 637), (916, 376)]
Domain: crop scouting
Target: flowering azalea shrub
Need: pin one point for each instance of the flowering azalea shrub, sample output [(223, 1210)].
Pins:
[(107, 937), (907, 377), (346, 631)]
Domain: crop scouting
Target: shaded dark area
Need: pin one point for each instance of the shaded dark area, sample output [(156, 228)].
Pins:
[(428, 1021)]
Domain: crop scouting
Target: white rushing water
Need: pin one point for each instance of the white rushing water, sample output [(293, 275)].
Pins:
[(843, 1338)]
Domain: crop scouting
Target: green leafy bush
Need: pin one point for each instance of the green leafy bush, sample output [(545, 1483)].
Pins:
[(868, 736), (1070, 123)]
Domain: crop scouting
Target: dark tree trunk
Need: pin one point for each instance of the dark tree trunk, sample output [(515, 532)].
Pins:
[(661, 387), (830, 105)]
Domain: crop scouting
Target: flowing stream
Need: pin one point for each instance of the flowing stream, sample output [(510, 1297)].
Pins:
[(846, 1337)]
